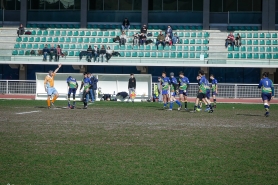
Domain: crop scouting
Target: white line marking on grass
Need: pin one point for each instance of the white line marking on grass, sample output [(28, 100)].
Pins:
[(28, 112)]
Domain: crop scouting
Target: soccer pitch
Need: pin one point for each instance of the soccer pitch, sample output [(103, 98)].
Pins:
[(136, 143)]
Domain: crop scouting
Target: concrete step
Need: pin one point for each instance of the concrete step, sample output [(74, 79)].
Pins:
[(218, 42), (218, 55), (217, 48)]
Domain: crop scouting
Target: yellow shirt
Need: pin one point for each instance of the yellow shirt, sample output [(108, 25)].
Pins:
[(49, 81)]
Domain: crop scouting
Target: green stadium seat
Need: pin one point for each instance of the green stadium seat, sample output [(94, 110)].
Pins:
[(243, 42), (236, 48), (85, 46), (80, 40), (192, 41), (153, 54), (198, 41), (187, 27), (76, 53), (58, 26), (33, 32), (249, 42), (31, 39), (92, 40), (140, 54), (236, 55), (116, 47), (193, 28), (193, 34), (268, 42), (43, 39), (173, 55), (73, 39), (230, 55), (275, 56), (87, 33), (192, 48), (269, 56), (41, 46), (81, 33), (249, 49), (18, 39), (262, 35), (141, 47), (249, 55), (166, 55), (198, 48), (55, 39), (106, 33), (274, 42), (179, 48), (166, 48), (160, 48), (27, 52), (86, 40), (186, 41), (198, 55), (112, 34), (206, 34), (268, 49), (256, 42), (205, 41), (99, 33), (128, 54), (45, 33), (173, 48), (63, 33), (75, 33), (148, 47), (199, 34), (147, 54), (192, 55), (268, 35), (152, 48), (16, 46), (25, 39), (187, 34), (180, 34), (61, 39), (72, 46), (243, 55), (71, 53), (29, 46), (243, 35), (256, 49), (262, 56), (69, 33), (94, 33), (262, 49), (243, 48), (99, 40), (78, 46), (49, 39), (155, 34), (66, 46), (23, 46), (230, 48), (15, 52), (21, 52), (179, 55), (122, 47), (205, 48), (256, 56), (51, 33), (134, 54), (249, 35), (274, 35), (128, 47), (262, 42), (255, 35), (275, 49), (159, 54)]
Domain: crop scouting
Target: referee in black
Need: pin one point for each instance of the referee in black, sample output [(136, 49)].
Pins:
[(131, 86)]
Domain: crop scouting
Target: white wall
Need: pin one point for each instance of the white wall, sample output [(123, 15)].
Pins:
[(108, 83)]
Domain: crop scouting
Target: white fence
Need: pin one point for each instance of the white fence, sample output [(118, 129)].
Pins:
[(224, 90)]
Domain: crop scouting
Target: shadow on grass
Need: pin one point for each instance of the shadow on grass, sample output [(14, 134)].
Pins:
[(247, 115)]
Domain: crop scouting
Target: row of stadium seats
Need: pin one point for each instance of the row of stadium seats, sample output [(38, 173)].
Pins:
[(93, 40), (257, 35), (243, 28), (116, 47), (108, 33), (101, 26), (253, 55), (130, 54), (259, 42), (254, 49)]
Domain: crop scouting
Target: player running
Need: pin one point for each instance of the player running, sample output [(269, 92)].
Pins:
[(184, 84), (203, 86), (267, 92), (49, 86), (214, 88), (86, 83), (72, 87), (165, 81), (174, 89)]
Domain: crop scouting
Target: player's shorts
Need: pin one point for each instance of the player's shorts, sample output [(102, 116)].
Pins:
[(72, 90), (266, 96), (213, 93), (182, 92), (208, 94), (173, 93), (201, 96), (164, 92), (51, 90)]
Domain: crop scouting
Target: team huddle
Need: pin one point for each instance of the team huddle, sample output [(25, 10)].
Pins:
[(171, 87)]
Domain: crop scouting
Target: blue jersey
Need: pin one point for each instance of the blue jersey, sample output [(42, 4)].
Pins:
[(72, 83), (174, 84), (213, 85), (165, 82), (203, 85), (184, 82), (267, 86), (86, 83)]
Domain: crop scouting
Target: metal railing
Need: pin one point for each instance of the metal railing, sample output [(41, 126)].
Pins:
[(227, 90)]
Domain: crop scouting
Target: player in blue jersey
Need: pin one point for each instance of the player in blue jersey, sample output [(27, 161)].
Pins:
[(267, 91), (72, 86), (86, 83), (165, 82), (214, 89), (174, 89), (184, 84), (203, 86)]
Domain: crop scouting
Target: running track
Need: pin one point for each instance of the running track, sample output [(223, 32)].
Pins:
[(219, 100)]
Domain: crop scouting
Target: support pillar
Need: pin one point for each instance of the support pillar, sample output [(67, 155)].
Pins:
[(271, 72), (143, 69), (22, 72), (206, 70), (206, 12), (268, 15), (83, 12), (23, 12), (145, 12)]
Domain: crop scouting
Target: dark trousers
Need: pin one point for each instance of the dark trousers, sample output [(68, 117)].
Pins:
[(160, 42)]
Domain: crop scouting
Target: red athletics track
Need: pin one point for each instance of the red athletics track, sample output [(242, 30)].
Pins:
[(219, 100)]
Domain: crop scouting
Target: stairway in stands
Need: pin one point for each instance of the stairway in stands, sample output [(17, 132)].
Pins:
[(217, 50), (7, 38)]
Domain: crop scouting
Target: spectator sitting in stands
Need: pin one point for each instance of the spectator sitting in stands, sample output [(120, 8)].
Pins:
[(143, 39), (238, 40), (123, 38), (20, 30), (175, 39), (125, 25), (59, 52), (45, 51), (168, 40), (160, 40), (96, 53), (52, 52), (108, 53), (89, 53), (169, 31), (230, 40), (144, 29), (136, 39), (102, 53)]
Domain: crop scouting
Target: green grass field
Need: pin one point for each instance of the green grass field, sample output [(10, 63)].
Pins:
[(140, 143)]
